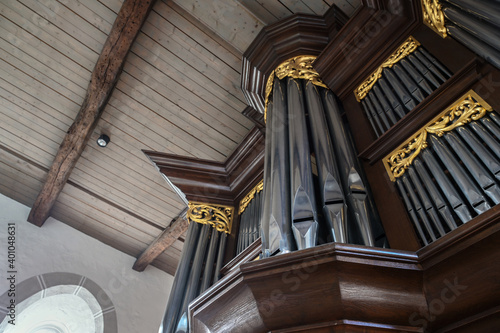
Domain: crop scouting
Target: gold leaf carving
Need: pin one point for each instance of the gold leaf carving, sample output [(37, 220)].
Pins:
[(218, 216), (434, 17), (403, 50), (298, 68), (249, 197), (468, 108)]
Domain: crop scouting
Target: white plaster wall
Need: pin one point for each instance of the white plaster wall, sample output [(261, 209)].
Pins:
[(139, 298)]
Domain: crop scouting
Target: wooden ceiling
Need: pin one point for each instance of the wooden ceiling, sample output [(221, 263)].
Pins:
[(179, 93)]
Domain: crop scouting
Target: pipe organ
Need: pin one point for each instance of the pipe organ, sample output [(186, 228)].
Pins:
[(307, 207), (375, 186)]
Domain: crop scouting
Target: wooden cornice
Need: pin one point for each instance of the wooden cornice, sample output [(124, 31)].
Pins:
[(216, 182), (256, 117), (161, 243), (107, 70), (300, 34), (355, 51)]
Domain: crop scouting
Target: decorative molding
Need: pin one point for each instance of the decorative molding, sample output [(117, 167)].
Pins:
[(470, 107), (249, 197), (300, 67), (405, 49), (218, 216), (222, 183), (293, 36), (434, 17)]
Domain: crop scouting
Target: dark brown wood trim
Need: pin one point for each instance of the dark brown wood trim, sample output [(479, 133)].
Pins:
[(216, 182), (461, 238), (256, 117), (440, 288), (365, 41), (161, 243), (127, 25), (248, 254)]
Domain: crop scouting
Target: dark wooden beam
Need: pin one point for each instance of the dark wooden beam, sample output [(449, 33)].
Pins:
[(161, 243), (127, 25)]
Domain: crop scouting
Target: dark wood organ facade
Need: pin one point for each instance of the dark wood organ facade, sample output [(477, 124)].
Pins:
[(366, 197)]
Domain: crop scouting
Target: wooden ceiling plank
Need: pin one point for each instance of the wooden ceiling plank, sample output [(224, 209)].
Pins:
[(161, 243), (99, 16), (174, 44), (297, 6), (128, 111), (199, 50), (60, 107), (153, 116), (129, 21), (276, 7), (150, 45), (106, 215), (198, 31), (201, 114), (92, 228), (43, 78), (169, 117), (218, 110), (259, 11), (27, 111), (34, 63), (138, 187), (71, 24), (24, 135), (129, 196), (21, 99), (50, 34), (44, 53), (112, 5), (319, 7), (11, 141)]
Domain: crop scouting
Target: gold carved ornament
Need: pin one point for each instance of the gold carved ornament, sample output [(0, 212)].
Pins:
[(298, 68), (434, 17), (405, 49), (249, 197), (218, 216), (468, 108)]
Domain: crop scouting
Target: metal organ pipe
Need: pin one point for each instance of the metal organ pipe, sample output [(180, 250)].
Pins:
[(359, 201), (178, 293), (280, 234), (303, 201), (266, 192), (332, 195)]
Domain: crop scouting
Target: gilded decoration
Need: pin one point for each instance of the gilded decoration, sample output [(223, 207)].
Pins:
[(468, 108), (434, 17), (218, 216), (298, 68), (405, 49), (249, 197)]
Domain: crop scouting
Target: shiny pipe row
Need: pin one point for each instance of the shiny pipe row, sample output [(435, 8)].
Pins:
[(199, 267), (453, 180), (249, 230), (401, 88), (303, 206), (476, 24)]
